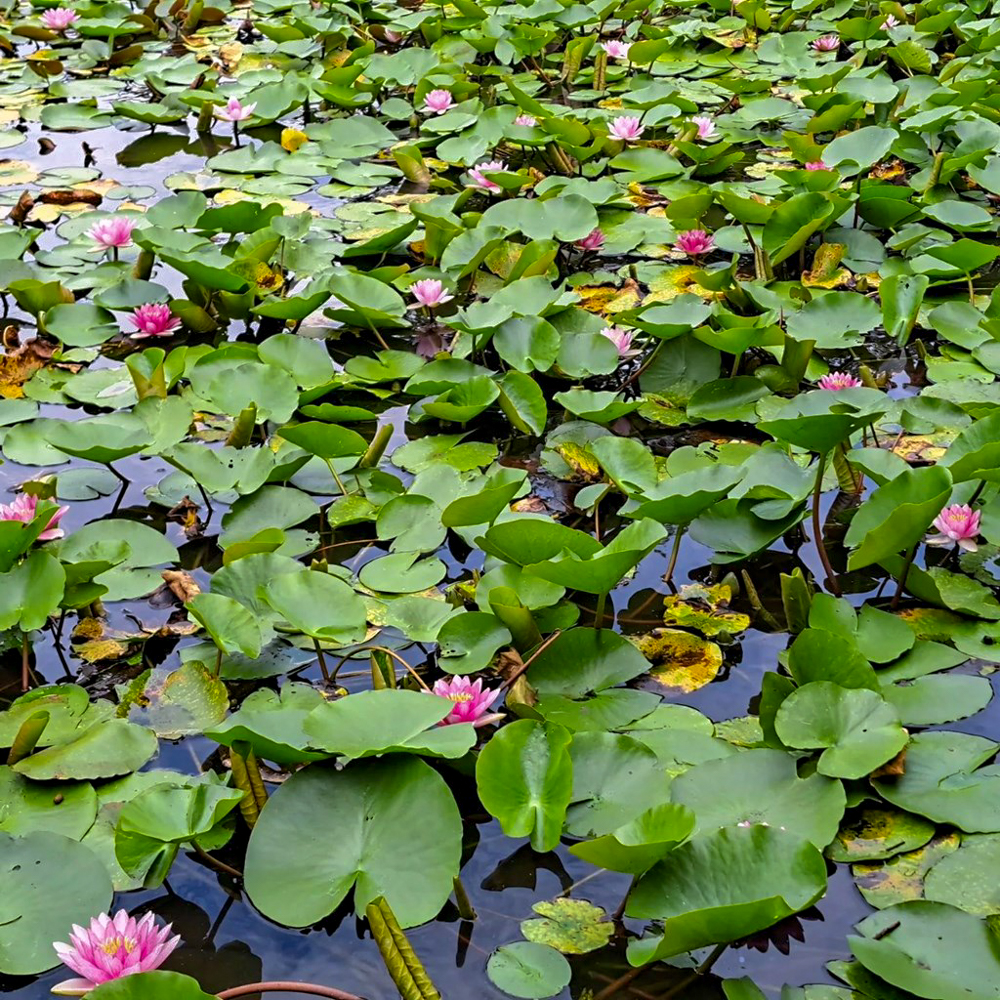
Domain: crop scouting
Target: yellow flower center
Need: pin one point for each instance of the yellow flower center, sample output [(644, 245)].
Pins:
[(114, 945), (463, 696)]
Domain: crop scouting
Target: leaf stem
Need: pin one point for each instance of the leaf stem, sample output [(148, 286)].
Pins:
[(672, 565), (902, 577), (831, 577), (321, 659), (25, 664)]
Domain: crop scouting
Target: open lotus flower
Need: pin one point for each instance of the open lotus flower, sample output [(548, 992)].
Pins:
[(826, 43), (694, 242), (113, 947), (479, 171), (594, 240), (59, 18), (959, 525), (114, 232), (472, 702), (430, 292), (616, 50), (529, 121), (817, 165), (235, 111), (437, 102), (889, 22), (153, 320), (626, 128), (706, 127), (836, 381), (24, 507), (622, 339)]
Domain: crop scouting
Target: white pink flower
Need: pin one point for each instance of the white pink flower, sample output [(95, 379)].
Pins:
[(437, 102), (235, 110), (694, 242), (472, 701), (622, 339), (627, 128), (816, 165), (706, 127), (24, 507), (114, 232), (958, 525), (890, 22), (479, 171), (59, 18), (836, 381), (528, 121), (113, 947), (153, 320), (430, 292), (826, 43), (616, 49)]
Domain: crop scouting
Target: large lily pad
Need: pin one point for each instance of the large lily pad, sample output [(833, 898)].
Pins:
[(370, 842)]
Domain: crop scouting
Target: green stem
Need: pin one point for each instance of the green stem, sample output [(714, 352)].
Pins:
[(674, 552), (462, 901), (902, 578), (321, 659), (599, 613), (25, 665), (831, 577)]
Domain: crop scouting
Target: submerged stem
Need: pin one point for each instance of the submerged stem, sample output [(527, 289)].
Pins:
[(249, 989)]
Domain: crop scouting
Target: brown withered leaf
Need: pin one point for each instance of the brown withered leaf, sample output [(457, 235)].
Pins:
[(509, 662), (71, 197), (529, 505), (186, 514), (181, 584), (20, 211), (893, 768), (17, 366), (11, 338)]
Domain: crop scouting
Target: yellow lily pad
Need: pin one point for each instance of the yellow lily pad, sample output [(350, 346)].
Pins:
[(674, 281), (681, 661), (582, 462), (902, 878), (16, 173), (878, 833), (609, 299), (704, 609), (922, 448), (572, 926)]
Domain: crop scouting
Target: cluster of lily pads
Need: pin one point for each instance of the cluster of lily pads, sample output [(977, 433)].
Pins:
[(473, 317)]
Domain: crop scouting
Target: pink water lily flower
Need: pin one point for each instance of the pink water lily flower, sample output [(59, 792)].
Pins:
[(626, 128), (437, 102), (113, 947), (24, 507), (114, 232), (59, 18), (816, 165), (594, 240), (153, 320), (836, 381), (479, 171), (472, 702), (827, 43), (694, 242), (430, 292), (959, 525), (706, 127), (889, 22), (622, 339), (528, 121), (616, 50), (235, 110)]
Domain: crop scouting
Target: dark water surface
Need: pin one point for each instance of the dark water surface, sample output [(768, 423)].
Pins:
[(226, 942)]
